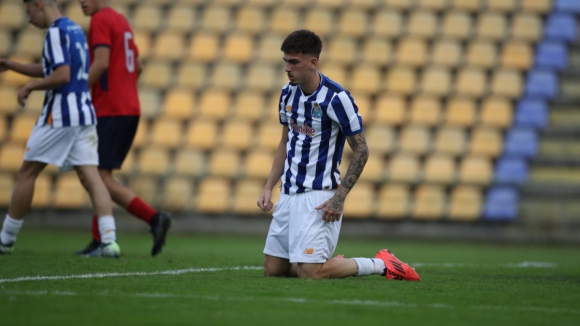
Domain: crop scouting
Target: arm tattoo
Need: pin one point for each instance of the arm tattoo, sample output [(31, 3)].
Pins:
[(360, 155)]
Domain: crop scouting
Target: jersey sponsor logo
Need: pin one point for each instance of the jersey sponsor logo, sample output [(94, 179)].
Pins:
[(309, 251), (306, 129), (316, 111)]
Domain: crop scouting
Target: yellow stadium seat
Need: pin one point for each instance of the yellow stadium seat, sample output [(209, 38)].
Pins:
[(156, 74), (475, 170), (169, 45), (422, 23), (467, 5), (11, 156), (456, 24), (366, 79), (435, 5), (360, 202), (403, 167), (178, 103), (69, 192), (249, 106), (414, 139), (398, 4), (353, 23), (363, 102), (12, 14), (204, 47), (191, 75), (246, 193), (412, 52), (250, 19), (215, 103), (517, 55), (202, 134), (29, 42), (374, 170), (153, 161), (429, 203), (9, 103), (295, 3), (501, 5), (34, 103), (460, 112), (481, 53), (238, 48), (262, 3), (128, 166), (450, 140), (146, 17), (142, 40), (486, 142), (390, 110), (330, 4), (145, 187), (335, 71), (436, 81), (284, 20), (142, 135), (439, 168), (166, 133), (496, 112), (150, 102), (492, 26), (258, 164), (377, 51), (320, 21), (177, 194), (226, 75), (75, 13), (342, 50), (6, 187), (539, 6), (471, 82), (5, 42), (507, 83), (215, 18), (269, 48), (269, 135), (181, 18), (224, 163), (465, 203), (527, 27), (380, 139), (261, 77), (446, 52), (12, 78), (387, 23), (189, 162), (393, 201), (401, 80), (425, 110), (236, 135), (22, 126), (3, 127), (42, 191), (213, 196)]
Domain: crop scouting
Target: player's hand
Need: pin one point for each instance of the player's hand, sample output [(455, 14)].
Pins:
[(332, 209), (23, 95), (3, 65), (265, 200)]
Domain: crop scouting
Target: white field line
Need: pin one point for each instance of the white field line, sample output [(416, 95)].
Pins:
[(526, 264), (297, 300)]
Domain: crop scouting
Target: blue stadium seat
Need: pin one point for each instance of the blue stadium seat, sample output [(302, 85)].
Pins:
[(531, 113), (561, 26), (521, 142), (552, 55), (511, 170), (501, 204), (542, 84), (568, 6)]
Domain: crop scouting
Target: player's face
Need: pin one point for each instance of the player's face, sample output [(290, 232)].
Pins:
[(35, 13), (89, 7), (299, 67)]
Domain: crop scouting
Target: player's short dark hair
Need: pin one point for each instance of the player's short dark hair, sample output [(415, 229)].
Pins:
[(302, 41)]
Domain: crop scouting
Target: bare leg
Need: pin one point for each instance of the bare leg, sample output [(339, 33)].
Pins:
[(276, 266), (100, 197), (24, 189), (120, 194), (332, 268)]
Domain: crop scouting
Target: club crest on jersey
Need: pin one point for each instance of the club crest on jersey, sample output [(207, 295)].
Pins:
[(316, 111), (289, 108)]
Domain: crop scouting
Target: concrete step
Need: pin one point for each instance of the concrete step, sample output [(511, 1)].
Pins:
[(565, 117), (559, 148), (550, 175)]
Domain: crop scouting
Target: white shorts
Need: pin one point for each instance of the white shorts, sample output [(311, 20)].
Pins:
[(298, 232), (64, 147)]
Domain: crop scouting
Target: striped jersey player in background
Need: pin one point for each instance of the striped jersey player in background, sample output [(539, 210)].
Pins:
[(65, 134), (318, 116), (113, 77)]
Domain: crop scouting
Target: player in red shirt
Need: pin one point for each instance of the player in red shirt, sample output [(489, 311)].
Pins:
[(113, 77)]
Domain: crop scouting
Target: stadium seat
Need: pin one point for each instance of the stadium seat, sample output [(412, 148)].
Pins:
[(363, 102), (450, 140), (393, 201), (3, 127), (262, 3), (465, 203), (365, 79), (551, 55), (236, 135), (284, 20), (178, 103), (376, 51), (204, 47), (447, 53), (246, 193), (34, 103), (439, 168), (491, 26), (9, 95), (181, 18), (146, 187), (507, 83), (511, 170), (319, 20), (69, 192), (542, 84), (189, 162), (436, 81), (390, 110), (128, 166), (425, 110), (481, 53), (177, 194), (224, 163), (501, 204), (142, 134), (153, 161), (456, 24), (343, 50), (485, 142), (6, 186), (215, 103), (269, 135), (269, 48), (12, 78), (422, 23), (567, 6), (521, 142), (434, 5), (531, 113), (11, 156), (399, 4), (374, 170), (5, 42), (401, 80), (539, 6), (517, 55), (460, 112), (362, 4), (29, 42), (475, 170), (329, 4), (238, 48), (22, 126), (360, 202), (258, 164), (526, 27), (213, 196), (412, 52), (191, 75), (471, 82), (249, 106), (403, 167), (150, 101), (75, 13), (43, 192), (496, 112), (202, 134), (146, 17), (332, 70), (169, 45), (561, 27), (380, 139), (250, 19), (352, 23), (414, 139), (142, 40), (12, 14), (215, 18), (387, 23), (166, 133), (429, 203), (156, 75), (505, 6), (226, 76), (467, 5)]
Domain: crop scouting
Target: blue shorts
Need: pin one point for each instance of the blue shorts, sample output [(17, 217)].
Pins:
[(116, 136)]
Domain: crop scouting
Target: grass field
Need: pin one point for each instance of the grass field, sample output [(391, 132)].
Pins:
[(203, 280)]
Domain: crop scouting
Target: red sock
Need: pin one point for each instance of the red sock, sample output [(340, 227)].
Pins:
[(140, 209), (96, 233)]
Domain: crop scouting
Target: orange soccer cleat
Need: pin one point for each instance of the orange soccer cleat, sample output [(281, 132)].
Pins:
[(396, 269)]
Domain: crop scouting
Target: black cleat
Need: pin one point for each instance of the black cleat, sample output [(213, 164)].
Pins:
[(90, 248), (160, 224)]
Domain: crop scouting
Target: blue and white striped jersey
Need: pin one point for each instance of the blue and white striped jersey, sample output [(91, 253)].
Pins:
[(69, 104), (318, 125)]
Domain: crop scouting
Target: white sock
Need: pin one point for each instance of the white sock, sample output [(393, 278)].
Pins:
[(107, 228), (369, 266), (10, 229)]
